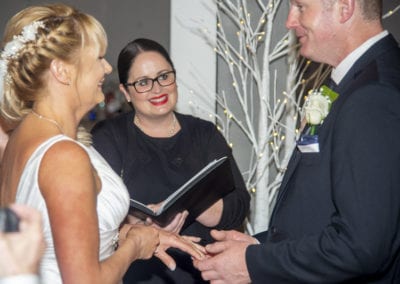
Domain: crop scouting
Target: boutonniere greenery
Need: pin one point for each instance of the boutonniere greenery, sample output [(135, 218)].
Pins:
[(317, 106)]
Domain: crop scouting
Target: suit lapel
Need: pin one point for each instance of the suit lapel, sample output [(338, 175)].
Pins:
[(360, 66), (293, 162)]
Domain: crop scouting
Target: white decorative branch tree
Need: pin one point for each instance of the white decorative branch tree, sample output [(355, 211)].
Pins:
[(263, 104), (263, 111)]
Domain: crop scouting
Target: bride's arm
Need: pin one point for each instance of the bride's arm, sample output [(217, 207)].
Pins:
[(70, 189)]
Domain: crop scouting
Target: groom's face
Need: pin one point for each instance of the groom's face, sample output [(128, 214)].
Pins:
[(314, 22)]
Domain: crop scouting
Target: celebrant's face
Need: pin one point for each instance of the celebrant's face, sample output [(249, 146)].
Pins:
[(159, 100), (314, 24)]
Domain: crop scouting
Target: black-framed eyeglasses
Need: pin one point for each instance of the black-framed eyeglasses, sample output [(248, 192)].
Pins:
[(146, 84)]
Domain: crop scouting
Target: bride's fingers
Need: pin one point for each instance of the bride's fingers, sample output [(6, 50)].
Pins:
[(192, 238), (200, 250), (168, 240), (195, 241), (165, 258)]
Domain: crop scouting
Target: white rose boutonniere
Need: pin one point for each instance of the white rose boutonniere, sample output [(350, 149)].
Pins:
[(317, 106)]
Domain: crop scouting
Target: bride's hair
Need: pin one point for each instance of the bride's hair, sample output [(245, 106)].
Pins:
[(62, 33)]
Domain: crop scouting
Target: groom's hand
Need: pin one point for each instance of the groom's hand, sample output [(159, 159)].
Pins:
[(232, 235), (226, 261)]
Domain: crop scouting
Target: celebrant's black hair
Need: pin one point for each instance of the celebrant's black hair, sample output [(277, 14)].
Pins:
[(129, 53)]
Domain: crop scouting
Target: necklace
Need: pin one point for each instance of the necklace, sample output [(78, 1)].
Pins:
[(171, 131), (48, 119)]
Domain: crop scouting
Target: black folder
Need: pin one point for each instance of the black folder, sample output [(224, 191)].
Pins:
[(211, 183)]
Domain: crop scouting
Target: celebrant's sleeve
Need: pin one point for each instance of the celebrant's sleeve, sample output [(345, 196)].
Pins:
[(237, 203)]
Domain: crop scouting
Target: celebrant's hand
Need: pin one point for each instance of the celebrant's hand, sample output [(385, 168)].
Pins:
[(130, 219), (175, 226)]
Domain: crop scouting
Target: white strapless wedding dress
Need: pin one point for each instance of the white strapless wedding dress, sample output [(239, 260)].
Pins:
[(112, 205)]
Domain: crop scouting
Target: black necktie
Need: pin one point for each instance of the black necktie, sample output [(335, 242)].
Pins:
[(331, 84)]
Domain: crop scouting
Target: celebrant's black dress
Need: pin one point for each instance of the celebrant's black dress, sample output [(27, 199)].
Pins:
[(152, 168)]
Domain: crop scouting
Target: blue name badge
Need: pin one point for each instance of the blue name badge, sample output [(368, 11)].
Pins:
[(308, 144)]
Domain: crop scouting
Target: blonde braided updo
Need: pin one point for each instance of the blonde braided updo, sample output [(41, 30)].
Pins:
[(65, 31)]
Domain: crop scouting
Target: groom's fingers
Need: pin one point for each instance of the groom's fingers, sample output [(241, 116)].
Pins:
[(210, 275), (219, 235), (216, 248), (206, 264), (233, 235)]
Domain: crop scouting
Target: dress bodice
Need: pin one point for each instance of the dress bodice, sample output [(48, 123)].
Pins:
[(112, 205)]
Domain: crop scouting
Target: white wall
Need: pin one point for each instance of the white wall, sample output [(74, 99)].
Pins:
[(194, 60)]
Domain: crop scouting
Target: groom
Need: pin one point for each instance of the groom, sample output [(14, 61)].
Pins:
[(337, 216)]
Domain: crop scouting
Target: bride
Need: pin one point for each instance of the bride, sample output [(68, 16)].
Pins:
[(51, 72)]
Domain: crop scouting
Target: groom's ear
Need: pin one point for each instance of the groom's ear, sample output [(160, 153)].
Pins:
[(346, 9)]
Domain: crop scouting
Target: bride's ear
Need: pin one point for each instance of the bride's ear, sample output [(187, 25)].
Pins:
[(61, 71)]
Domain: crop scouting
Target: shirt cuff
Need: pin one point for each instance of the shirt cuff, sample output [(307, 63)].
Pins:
[(20, 279)]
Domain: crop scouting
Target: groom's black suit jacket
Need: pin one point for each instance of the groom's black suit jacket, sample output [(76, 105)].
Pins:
[(337, 216)]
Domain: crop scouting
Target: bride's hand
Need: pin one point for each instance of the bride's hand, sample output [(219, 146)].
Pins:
[(184, 243), (144, 240)]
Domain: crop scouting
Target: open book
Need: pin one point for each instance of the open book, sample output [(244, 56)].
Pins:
[(201, 191)]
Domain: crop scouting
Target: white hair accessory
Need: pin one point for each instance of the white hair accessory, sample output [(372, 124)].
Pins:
[(12, 48)]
